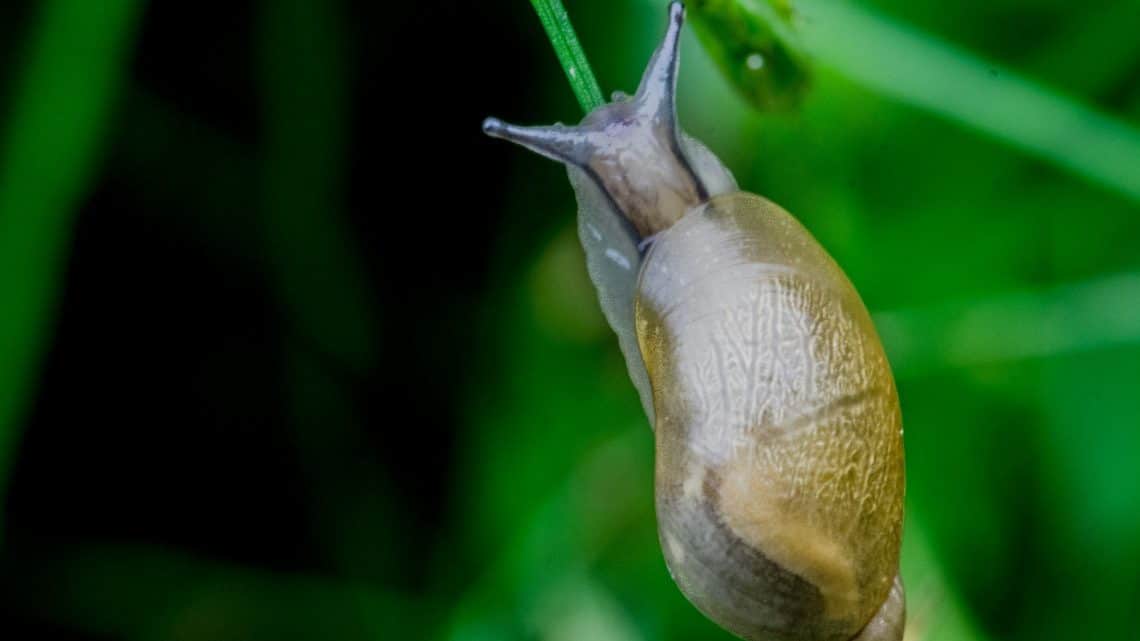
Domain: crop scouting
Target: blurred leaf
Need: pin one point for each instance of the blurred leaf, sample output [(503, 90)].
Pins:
[(552, 390), (320, 276), (909, 65), (1097, 314), (974, 488), (213, 193), (1096, 51), (559, 539), (933, 611), (71, 78), (1089, 440), (577, 609), (755, 49), (559, 287)]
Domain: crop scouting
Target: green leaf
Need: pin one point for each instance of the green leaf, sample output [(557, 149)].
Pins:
[(914, 67), (755, 49)]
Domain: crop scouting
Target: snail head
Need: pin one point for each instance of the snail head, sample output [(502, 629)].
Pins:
[(630, 147)]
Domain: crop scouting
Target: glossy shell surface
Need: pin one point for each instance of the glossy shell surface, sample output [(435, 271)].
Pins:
[(779, 465)]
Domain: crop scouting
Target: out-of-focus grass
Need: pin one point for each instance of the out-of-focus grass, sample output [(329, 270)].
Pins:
[(934, 612), (532, 563), (318, 275), (306, 109), (906, 64), (72, 72), (756, 49), (1099, 314), (1104, 35), (215, 203)]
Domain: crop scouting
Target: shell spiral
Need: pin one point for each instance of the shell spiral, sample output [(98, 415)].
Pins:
[(779, 470)]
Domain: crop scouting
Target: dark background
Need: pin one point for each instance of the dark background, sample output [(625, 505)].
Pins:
[(319, 360), (181, 406)]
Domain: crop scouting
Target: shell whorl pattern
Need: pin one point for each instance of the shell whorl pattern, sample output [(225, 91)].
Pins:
[(779, 445)]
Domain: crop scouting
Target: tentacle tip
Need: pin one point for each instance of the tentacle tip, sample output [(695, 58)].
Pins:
[(655, 94), (676, 12), (493, 127)]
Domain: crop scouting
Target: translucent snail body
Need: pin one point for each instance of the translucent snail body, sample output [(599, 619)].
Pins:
[(779, 466)]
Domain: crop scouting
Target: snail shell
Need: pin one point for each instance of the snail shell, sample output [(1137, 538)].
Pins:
[(779, 468)]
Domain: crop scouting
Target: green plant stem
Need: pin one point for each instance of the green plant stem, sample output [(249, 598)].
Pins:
[(569, 51)]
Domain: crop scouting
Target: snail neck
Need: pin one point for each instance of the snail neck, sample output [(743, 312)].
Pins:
[(637, 161), (631, 149)]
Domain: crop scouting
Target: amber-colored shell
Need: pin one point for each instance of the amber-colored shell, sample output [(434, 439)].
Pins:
[(779, 436)]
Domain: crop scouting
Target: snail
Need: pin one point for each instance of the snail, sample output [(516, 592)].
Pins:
[(778, 434)]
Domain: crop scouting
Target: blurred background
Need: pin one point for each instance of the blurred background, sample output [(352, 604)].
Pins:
[(289, 350)]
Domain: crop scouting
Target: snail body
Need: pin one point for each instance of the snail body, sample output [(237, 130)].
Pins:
[(778, 469), (779, 459)]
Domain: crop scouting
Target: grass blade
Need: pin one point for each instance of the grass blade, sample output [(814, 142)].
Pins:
[(569, 51), (914, 67), (1079, 317), (57, 122)]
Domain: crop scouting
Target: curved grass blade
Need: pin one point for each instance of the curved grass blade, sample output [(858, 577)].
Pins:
[(916, 68), (319, 276), (1079, 317), (57, 123)]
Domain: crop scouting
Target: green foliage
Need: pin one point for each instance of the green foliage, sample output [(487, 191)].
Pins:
[(305, 106), (69, 84), (908, 65), (755, 45), (975, 177)]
